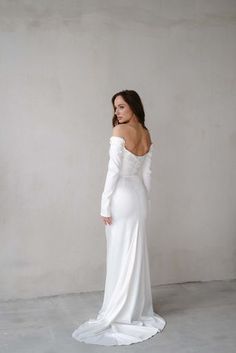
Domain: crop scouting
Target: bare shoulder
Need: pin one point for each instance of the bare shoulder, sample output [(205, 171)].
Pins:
[(128, 133), (120, 130)]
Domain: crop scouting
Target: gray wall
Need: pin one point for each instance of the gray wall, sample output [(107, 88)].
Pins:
[(60, 63)]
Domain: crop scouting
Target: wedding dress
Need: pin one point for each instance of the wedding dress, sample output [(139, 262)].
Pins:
[(126, 315)]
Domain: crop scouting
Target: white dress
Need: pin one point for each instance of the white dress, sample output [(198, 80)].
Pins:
[(126, 315)]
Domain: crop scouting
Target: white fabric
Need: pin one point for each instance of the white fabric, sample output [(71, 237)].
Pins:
[(126, 315)]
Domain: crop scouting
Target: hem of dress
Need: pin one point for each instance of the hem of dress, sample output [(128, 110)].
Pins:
[(158, 330)]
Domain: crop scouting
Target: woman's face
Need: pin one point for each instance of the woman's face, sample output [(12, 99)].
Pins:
[(122, 110)]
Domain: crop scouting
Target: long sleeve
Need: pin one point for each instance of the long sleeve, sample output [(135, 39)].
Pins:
[(146, 173), (113, 172)]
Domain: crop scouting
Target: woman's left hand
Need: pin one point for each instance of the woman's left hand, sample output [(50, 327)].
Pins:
[(107, 220)]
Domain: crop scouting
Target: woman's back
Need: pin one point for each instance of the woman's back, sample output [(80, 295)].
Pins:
[(137, 139)]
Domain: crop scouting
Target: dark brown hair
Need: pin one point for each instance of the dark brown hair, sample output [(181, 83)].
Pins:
[(134, 101)]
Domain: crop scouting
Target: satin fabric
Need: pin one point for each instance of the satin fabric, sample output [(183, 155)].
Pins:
[(126, 315)]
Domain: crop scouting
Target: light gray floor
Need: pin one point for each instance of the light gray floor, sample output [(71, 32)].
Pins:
[(201, 317)]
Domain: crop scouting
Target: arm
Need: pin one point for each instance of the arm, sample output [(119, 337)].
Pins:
[(146, 173), (113, 172)]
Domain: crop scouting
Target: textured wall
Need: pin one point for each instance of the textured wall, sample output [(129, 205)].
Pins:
[(60, 63)]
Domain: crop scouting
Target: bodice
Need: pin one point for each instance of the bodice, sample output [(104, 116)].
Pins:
[(131, 164), (122, 164)]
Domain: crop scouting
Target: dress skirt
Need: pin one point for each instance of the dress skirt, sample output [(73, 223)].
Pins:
[(126, 315)]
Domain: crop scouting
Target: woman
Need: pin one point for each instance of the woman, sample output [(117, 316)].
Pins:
[(126, 315)]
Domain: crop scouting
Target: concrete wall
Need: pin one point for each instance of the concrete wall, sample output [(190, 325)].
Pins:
[(60, 64)]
